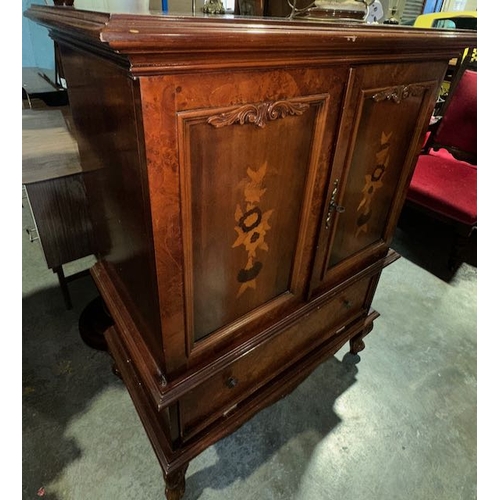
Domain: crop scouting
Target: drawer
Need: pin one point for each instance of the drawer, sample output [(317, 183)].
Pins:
[(221, 393)]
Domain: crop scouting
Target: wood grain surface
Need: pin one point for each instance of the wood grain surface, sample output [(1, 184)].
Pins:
[(49, 148)]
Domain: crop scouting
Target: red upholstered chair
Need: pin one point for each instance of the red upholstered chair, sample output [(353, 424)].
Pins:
[(444, 183)]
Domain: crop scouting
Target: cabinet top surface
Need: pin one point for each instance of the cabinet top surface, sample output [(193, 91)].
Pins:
[(137, 30), (49, 149), (102, 14)]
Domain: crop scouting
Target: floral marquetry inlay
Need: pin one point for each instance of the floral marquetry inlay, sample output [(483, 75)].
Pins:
[(251, 227), (373, 182)]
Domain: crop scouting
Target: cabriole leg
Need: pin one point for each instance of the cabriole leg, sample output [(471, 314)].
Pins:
[(356, 343), (175, 483)]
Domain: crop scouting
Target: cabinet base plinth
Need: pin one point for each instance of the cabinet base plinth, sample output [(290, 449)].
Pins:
[(175, 452)]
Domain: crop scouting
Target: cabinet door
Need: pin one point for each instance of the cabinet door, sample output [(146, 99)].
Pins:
[(245, 185), (386, 113), (253, 153)]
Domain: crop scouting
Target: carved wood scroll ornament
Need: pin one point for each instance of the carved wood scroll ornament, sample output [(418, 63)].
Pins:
[(258, 114), (398, 94)]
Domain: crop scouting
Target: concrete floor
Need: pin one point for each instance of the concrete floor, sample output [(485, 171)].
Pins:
[(398, 424)]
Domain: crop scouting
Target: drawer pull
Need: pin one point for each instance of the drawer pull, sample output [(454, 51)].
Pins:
[(347, 304), (30, 233), (232, 382)]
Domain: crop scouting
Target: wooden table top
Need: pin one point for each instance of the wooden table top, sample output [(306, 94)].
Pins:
[(39, 80), (49, 149)]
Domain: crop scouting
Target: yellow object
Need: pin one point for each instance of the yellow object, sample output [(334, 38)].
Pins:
[(465, 19), (460, 19)]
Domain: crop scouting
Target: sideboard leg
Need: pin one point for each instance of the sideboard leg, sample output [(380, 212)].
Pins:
[(175, 483), (356, 343)]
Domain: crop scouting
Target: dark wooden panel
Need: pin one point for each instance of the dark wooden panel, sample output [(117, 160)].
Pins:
[(387, 110), (103, 104), (60, 210), (244, 184), (384, 135)]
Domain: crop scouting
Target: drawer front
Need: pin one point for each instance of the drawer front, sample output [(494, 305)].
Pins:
[(59, 210), (220, 394)]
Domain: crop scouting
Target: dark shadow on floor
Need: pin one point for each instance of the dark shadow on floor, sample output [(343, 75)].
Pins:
[(308, 408), (61, 376), (428, 242)]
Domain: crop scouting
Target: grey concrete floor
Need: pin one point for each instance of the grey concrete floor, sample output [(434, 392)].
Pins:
[(396, 422)]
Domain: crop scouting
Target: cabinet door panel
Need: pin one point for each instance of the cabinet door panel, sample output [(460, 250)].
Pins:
[(386, 114), (383, 136), (246, 176)]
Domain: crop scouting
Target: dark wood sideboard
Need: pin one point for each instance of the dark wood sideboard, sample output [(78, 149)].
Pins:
[(55, 191), (245, 177)]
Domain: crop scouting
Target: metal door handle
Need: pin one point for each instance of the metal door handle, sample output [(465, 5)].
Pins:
[(332, 206)]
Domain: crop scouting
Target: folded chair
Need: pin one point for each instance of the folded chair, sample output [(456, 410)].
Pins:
[(444, 183)]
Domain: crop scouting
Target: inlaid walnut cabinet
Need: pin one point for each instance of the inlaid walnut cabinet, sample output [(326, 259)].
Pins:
[(245, 177)]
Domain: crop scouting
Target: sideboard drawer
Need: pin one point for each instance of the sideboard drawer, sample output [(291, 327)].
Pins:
[(220, 394)]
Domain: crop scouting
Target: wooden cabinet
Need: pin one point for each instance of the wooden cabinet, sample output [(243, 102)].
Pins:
[(245, 180)]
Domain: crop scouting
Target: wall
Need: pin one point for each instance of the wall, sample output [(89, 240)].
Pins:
[(38, 48), (459, 5)]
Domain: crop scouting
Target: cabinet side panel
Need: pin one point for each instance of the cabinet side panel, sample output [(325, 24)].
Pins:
[(110, 140)]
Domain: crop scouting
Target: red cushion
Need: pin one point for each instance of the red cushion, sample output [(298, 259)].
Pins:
[(445, 185), (458, 128)]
